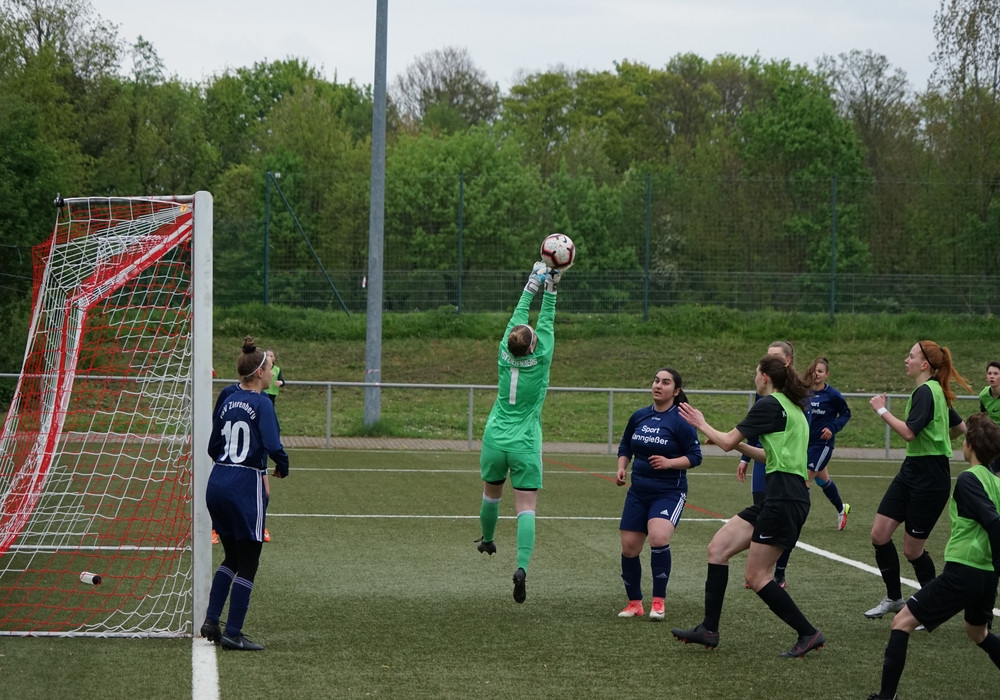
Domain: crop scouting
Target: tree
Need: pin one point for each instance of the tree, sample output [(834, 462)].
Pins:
[(794, 143), (967, 57), (444, 90), (238, 105), (71, 29), (962, 117)]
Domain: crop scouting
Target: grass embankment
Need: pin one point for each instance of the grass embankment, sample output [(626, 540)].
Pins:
[(712, 348)]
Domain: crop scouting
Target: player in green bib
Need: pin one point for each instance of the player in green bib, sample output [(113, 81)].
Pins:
[(772, 525), (919, 492), (512, 439), (989, 397), (971, 560), (277, 380)]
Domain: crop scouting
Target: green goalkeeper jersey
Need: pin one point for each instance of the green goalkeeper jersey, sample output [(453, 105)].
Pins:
[(515, 422)]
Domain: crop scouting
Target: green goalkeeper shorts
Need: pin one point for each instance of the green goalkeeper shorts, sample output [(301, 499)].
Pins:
[(525, 468)]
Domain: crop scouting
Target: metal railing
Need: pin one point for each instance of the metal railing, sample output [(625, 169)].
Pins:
[(612, 440)]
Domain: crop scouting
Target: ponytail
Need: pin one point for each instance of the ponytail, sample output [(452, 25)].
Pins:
[(939, 358)]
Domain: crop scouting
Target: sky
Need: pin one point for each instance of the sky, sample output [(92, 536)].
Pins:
[(197, 39)]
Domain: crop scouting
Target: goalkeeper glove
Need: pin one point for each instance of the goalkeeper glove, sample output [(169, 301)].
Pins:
[(537, 277), (552, 279)]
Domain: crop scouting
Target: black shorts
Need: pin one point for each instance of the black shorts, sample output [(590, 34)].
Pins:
[(959, 587), (918, 509), (776, 522)]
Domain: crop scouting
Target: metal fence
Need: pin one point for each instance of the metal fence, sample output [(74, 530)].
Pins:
[(636, 292), (613, 428)]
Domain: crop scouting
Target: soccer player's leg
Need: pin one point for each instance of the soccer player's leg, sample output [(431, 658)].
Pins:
[(819, 458), (922, 513), (248, 553), (526, 478), (632, 528), (493, 469), (732, 538), (664, 515)]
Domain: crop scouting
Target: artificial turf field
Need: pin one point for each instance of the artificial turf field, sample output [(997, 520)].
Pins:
[(372, 587)]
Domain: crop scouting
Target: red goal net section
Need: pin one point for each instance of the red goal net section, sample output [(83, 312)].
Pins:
[(101, 453)]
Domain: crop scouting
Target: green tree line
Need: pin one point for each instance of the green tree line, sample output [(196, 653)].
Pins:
[(721, 164)]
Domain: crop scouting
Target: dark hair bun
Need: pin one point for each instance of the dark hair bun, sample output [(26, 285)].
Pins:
[(249, 345)]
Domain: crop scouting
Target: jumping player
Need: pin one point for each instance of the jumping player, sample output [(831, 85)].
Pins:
[(971, 560), (662, 446), (919, 492), (828, 415), (512, 439), (244, 433)]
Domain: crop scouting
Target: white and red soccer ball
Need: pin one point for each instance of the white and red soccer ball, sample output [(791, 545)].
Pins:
[(558, 251)]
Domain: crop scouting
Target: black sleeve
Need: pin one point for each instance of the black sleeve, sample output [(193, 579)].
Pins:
[(765, 416), (972, 502), (993, 531), (954, 418), (921, 409)]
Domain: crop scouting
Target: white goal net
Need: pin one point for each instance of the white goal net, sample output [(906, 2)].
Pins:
[(98, 448)]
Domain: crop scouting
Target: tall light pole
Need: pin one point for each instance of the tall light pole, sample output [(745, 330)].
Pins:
[(376, 225)]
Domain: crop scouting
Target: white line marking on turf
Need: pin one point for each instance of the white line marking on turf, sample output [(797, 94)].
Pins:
[(204, 670), (550, 471)]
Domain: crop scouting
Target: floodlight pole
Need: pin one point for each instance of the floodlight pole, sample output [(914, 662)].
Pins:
[(376, 224)]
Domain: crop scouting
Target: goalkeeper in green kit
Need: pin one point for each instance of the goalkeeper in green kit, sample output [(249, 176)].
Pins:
[(512, 440)]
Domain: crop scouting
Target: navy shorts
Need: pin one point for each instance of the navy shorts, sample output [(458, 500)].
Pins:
[(236, 502), (959, 587), (819, 456), (640, 509), (919, 509)]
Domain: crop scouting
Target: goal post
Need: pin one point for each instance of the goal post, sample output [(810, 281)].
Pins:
[(103, 451)]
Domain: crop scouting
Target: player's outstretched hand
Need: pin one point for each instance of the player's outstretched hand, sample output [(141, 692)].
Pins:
[(552, 279), (691, 414), (537, 277)]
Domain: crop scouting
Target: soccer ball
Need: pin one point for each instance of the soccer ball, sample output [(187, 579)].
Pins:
[(558, 251)]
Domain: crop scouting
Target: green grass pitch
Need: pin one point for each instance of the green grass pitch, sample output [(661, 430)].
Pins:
[(372, 587)]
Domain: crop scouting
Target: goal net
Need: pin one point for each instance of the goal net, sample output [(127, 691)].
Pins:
[(98, 448)]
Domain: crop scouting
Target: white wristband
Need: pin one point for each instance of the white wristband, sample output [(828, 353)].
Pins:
[(882, 410)]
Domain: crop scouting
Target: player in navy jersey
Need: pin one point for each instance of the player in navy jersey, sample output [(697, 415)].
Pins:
[(662, 446), (244, 434), (919, 492), (971, 561), (773, 525), (828, 415)]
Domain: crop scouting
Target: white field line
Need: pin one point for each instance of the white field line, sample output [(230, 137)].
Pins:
[(204, 670), (548, 473)]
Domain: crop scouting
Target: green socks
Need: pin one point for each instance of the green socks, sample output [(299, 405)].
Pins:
[(525, 538), (489, 513)]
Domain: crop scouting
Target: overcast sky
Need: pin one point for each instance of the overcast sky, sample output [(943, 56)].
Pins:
[(200, 38)]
